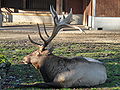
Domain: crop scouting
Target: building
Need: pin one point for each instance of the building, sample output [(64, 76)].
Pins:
[(96, 14)]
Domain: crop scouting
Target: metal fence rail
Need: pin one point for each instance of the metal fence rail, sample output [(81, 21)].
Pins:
[(42, 5)]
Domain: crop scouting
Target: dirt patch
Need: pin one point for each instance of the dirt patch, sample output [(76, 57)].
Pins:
[(20, 31), (102, 45), (65, 37)]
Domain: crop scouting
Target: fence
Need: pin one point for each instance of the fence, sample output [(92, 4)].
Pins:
[(42, 5)]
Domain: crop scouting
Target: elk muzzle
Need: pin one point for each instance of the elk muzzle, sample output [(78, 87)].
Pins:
[(26, 60)]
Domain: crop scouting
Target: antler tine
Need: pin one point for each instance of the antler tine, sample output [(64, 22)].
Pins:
[(33, 41), (45, 31), (76, 27), (54, 33), (45, 42), (40, 33), (54, 14), (68, 19)]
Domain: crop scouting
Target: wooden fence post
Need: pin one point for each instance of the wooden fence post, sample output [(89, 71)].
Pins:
[(1, 17), (24, 4), (59, 6)]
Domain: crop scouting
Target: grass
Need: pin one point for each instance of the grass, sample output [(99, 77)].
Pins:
[(106, 52)]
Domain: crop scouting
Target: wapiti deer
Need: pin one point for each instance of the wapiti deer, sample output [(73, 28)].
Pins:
[(61, 71)]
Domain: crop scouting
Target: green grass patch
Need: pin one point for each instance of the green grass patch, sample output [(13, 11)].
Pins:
[(23, 74)]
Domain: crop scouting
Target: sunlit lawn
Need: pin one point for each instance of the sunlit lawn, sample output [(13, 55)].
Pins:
[(105, 52)]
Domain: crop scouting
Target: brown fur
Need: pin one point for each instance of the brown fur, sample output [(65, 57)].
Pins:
[(50, 65)]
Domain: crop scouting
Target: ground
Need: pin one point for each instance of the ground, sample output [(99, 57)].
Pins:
[(99, 44)]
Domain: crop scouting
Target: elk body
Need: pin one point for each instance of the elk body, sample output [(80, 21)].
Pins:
[(67, 72), (61, 71)]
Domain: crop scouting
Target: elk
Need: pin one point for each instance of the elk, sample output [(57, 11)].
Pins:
[(61, 71)]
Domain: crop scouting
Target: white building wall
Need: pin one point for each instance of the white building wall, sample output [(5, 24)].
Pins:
[(107, 23), (90, 21), (38, 18), (33, 18), (104, 23)]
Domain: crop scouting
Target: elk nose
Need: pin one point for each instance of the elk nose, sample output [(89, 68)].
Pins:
[(21, 62)]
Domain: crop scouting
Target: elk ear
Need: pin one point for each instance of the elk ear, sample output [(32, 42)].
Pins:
[(38, 53), (40, 48), (46, 52)]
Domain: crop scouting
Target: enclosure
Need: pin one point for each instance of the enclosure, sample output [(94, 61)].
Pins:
[(95, 14), (101, 45)]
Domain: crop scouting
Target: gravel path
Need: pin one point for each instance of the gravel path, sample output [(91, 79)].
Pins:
[(19, 31)]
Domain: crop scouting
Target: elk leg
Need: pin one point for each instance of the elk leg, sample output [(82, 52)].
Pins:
[(68, 78)]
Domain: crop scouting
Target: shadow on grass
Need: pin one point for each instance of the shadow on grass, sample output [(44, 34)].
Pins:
[(19, 26), (27, 74)]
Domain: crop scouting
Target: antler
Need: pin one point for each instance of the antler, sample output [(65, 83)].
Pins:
[(59, 24), (65, 22), (47, 41)]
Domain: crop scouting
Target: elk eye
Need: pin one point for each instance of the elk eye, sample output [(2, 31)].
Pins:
[(24, 62), (37, 54)]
